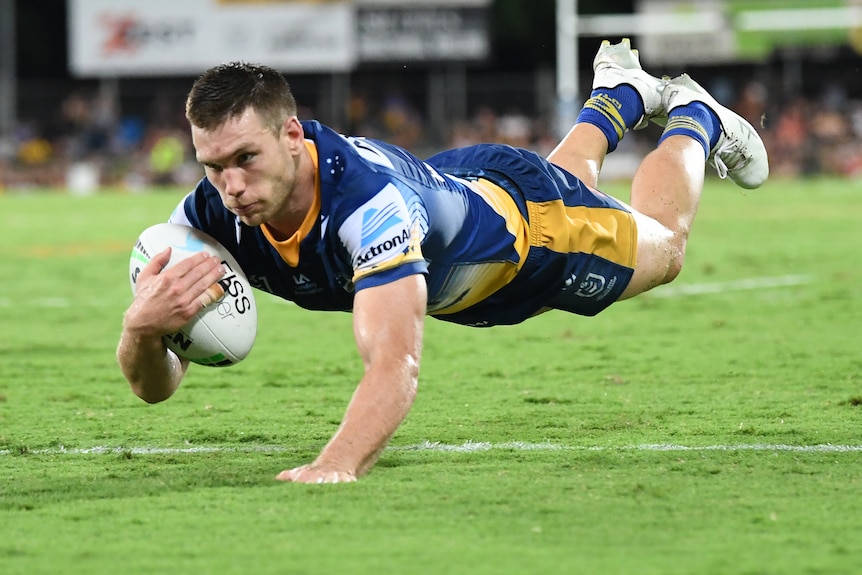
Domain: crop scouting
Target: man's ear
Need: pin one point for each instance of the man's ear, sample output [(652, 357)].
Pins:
[(292, 131)]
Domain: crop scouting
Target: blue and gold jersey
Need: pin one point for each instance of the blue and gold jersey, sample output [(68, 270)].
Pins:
[(497, 231)]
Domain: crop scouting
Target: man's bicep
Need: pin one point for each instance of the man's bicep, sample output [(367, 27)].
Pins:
[(388, 319)]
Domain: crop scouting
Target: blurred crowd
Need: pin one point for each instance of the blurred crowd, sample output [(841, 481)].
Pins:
[(86, 144)]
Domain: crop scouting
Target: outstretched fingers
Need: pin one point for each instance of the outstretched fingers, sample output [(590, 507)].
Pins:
[(314, 474), (166, 299)]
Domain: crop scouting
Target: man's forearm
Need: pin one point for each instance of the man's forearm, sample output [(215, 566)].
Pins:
[(379, 405)]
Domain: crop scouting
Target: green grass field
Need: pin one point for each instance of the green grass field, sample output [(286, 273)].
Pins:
[(713, 426)]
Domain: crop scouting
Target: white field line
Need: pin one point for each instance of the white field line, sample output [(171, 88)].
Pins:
[(467, 447), (682, 290)]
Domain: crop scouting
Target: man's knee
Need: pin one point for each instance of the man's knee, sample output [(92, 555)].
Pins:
[(667, 266), (674, 266), (659, 262)]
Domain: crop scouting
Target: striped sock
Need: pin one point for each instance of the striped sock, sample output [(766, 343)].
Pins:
[(694, 120), (613, 111)]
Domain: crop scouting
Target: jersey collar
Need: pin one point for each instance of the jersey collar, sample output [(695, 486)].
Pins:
[(289, 248)]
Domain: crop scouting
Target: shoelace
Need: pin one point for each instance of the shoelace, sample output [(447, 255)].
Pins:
[(734, 155)]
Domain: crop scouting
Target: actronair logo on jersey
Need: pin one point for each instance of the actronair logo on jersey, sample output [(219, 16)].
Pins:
[(378, 230), (385, 246), (376, 223)]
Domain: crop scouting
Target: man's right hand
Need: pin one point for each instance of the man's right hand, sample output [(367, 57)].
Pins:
[(167, 299)]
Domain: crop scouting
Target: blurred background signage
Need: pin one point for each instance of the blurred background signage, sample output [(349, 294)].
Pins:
[(129, 38), (715, 31), (429, 31)]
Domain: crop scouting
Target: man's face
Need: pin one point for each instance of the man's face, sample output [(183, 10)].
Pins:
[(253, 169)]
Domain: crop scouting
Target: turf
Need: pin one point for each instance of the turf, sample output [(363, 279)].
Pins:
[(673, 434)]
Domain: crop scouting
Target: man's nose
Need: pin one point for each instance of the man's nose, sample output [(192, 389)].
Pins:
[(234, 182)]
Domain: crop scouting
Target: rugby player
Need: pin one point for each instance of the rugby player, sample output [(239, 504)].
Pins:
[(483, 235)]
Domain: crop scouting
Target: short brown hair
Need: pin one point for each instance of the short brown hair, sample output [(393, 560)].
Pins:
[(227, 90)]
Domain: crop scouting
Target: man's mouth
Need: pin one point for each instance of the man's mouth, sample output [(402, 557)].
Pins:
[(243, 210)]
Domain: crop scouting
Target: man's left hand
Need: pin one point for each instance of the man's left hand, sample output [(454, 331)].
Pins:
[(313, 473)]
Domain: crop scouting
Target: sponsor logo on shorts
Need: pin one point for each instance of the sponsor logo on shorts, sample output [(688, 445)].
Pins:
[(593, 286)]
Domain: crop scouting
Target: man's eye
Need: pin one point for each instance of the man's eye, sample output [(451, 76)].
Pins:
[(244, 158)]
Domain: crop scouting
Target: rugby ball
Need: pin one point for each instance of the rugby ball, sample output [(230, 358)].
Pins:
[(223, 332)]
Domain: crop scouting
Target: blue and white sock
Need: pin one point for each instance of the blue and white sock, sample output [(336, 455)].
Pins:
[(694, 120), (614, 111)]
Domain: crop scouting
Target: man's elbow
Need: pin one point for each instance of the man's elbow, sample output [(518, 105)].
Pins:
[(145, 388), (150, 382), (149, 395), (152, 398)]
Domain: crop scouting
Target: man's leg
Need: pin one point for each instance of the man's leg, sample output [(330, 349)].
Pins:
[(667, 185), (665, 194), (624, 97)]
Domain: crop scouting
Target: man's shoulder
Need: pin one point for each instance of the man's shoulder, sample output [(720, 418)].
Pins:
[(205, 198), (202, 208), (327, 141), (344, 156), (352, 170)]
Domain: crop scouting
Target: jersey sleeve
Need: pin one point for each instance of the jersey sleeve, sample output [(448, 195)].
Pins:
[(383, 238), (179, 215), (202, 208)]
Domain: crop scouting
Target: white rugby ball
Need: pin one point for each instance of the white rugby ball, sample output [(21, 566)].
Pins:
[(222, 333)]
